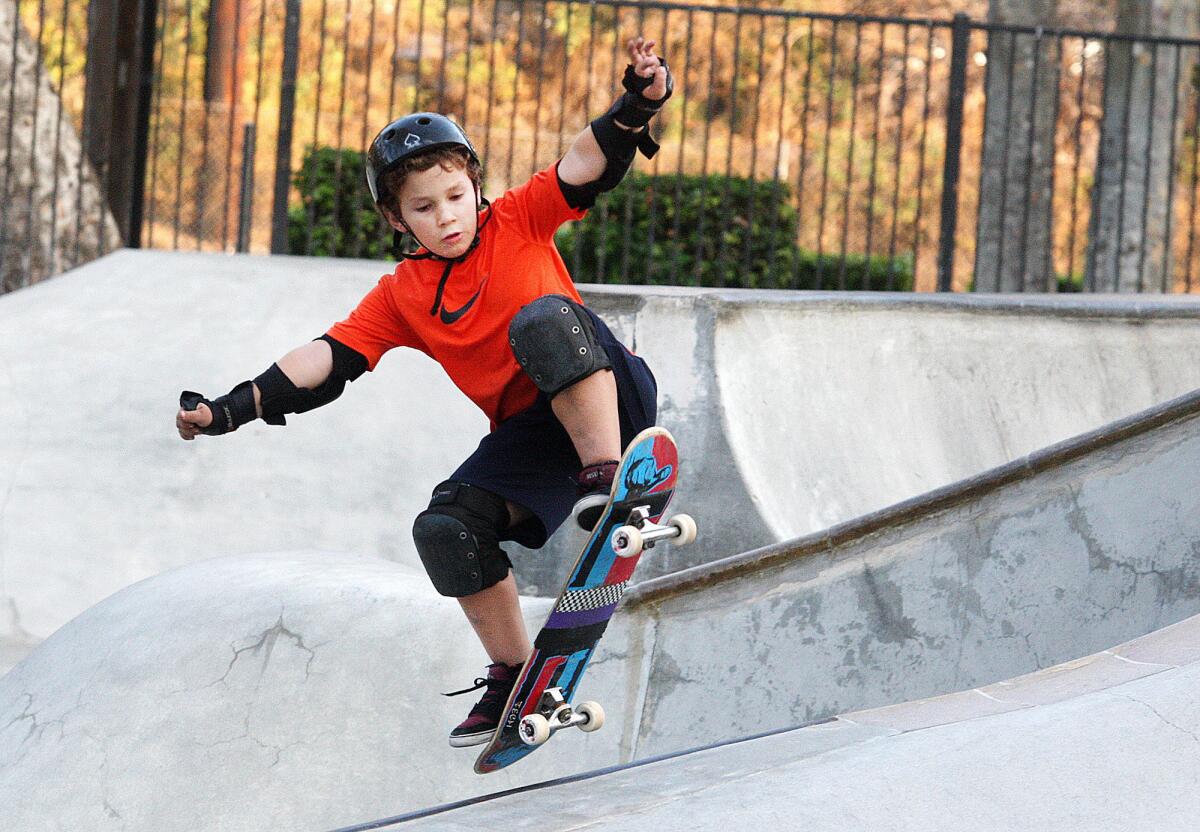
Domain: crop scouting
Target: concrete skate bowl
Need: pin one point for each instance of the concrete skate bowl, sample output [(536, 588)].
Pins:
[(793, 411), (303, 679)]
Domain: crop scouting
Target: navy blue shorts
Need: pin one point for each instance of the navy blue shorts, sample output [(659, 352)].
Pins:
[(529, 458)]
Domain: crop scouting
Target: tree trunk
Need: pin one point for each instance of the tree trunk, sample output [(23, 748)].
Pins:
[(1128, 246), (54, 213), (1013, 253)]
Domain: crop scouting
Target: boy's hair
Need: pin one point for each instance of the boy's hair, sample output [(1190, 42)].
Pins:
[(448, 157)]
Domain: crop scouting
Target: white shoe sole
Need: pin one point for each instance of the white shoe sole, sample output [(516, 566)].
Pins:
[(467, 740)]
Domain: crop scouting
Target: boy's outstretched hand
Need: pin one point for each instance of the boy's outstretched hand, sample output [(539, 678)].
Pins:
[(646, 64), (190, 423)]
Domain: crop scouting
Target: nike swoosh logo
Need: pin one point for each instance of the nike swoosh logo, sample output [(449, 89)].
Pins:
[(448, 317)]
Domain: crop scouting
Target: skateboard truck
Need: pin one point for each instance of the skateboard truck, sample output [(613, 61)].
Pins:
[(639, 533), (554, 713)]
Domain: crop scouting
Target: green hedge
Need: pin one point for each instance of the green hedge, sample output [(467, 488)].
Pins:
[(336, 217), (682, 230), (711, 231)]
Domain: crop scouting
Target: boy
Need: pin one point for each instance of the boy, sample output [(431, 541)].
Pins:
[(488, 296)]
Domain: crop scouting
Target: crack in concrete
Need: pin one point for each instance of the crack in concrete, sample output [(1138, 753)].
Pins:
[(1195, 737), (267, 639)]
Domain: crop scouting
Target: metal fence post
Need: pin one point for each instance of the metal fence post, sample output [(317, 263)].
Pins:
[(246, 197), (283, 145), (960, 43), (145, 103)]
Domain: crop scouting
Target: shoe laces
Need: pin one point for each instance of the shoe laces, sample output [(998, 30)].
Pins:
[(497, 688)]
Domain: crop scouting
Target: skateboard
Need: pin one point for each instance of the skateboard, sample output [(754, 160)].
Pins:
[(540, 703)]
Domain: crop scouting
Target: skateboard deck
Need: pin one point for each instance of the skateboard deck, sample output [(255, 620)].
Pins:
[(563, 648)]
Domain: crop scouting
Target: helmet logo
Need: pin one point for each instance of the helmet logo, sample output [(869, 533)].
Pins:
[(412, 140)]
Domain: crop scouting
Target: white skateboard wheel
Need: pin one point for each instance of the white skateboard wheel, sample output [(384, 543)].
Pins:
[(534, 729), (594, 714), (627, 541), (686, 527)]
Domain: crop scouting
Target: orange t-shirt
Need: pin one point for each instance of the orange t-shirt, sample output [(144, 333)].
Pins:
[(514, 263)]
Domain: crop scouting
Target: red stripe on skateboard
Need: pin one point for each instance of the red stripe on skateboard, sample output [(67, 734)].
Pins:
[(621, 570), (539, 687), (665, 453)]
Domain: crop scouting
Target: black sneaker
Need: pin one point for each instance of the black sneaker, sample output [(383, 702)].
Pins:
[(595, 487), (481, 723)]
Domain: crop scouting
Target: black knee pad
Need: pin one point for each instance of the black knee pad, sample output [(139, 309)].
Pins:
[(458, 539), (555, 342)]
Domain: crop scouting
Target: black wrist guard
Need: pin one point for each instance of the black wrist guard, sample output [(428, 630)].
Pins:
[(229, 412), (634, 110)]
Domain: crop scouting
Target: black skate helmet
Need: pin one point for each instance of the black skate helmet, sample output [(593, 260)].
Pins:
[(408, 136)]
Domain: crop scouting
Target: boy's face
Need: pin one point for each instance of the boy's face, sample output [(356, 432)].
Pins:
[(438, 206)]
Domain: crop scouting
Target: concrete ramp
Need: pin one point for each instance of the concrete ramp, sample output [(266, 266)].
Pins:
[(1106, 742)]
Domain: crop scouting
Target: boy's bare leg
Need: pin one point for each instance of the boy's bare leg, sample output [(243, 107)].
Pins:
[(495, 613), (588, 410)]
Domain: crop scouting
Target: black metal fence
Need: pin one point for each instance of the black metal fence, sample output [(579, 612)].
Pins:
[(939, 154)]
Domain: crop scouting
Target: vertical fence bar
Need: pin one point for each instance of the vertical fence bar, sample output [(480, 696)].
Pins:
[(833, 44), (902, 104), (1079, 102), (1147, 166), (1009, 82), (1089, 279), (516, 94), (794, 283), (84, 135), (235, 97), (310, 214), (245, 201), (1023, 271), (8, 145), (785, 50), (201, 201), (341, 119), (699, 248), (466, 111), (157, 118), (677, 241), (416, 101), (952, 168), (629, 195), (1168, 278), (30, 226), (183, 124), (921, 152), (747, 249), (871, 179), (1048, 268), (1123, 182), (1191, 247), (849, 198), (537, 86), (441, 99), (283, 142), (148, 42)]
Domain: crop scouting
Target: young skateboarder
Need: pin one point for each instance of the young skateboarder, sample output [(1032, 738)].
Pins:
[(487, 296)]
